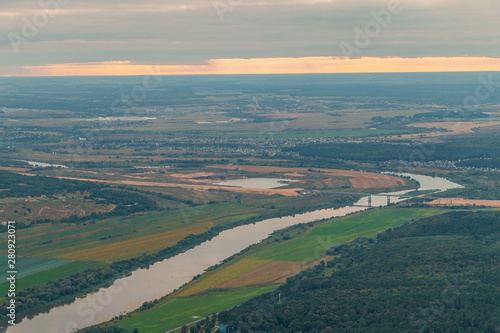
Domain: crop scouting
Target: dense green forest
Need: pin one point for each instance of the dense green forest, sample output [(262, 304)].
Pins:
[(440, 274), (451, 114), (474, 147), (22, 186)]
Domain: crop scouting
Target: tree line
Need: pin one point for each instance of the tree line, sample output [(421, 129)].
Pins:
[(439, 274)]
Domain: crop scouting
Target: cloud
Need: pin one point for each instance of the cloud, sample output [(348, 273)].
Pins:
[(181, 32), (270, 66)]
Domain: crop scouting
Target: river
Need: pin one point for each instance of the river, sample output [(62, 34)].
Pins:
[(129, 293)]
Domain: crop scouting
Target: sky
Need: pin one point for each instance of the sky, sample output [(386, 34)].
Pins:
[(130, 37)]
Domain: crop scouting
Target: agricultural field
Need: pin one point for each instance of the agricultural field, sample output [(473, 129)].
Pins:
[(53, 207), (303, 244), (282, 255), (125, 237), (341, 231), (32, 265), (103, 192), (182, 311), (40, 271)]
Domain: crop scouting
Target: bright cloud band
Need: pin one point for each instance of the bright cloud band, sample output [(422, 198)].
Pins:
[(270, 66)]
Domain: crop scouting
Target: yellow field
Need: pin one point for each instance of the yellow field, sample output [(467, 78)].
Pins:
[(271, 272), (133, 247), (219, 276)]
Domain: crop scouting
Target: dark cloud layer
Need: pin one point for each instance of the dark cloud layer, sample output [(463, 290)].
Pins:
[(192, 31)]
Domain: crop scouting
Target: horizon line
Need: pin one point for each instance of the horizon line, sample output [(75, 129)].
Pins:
[(263, 66), (253, 74)]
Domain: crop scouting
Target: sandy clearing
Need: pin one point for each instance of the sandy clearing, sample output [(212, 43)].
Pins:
[(369, 181), (464, 202), (294, 174), (137, 177), (298, 115), (14, 169), (358, 179), (42, 209), (284, 192), (192, 175)]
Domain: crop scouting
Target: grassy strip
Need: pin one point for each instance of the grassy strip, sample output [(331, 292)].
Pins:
[(30, 265), (340, 231), (51, 274), (184, 310)]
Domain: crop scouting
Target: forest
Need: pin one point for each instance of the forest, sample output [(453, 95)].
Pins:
[(473, 147), (440, 274), (19, 186)]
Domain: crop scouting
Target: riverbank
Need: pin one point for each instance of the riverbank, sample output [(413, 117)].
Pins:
[(168, 275), (269, 263), (108, 275)]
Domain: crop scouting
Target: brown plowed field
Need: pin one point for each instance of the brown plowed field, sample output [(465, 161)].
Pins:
[(13, 169), (292, 192)]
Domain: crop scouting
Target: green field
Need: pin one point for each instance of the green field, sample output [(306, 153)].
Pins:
[(304, 246), (42, 277), (117, 238), (212, 279), (342, 230), (125, 237), (307, 245), (30, 265), (184, 310)]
